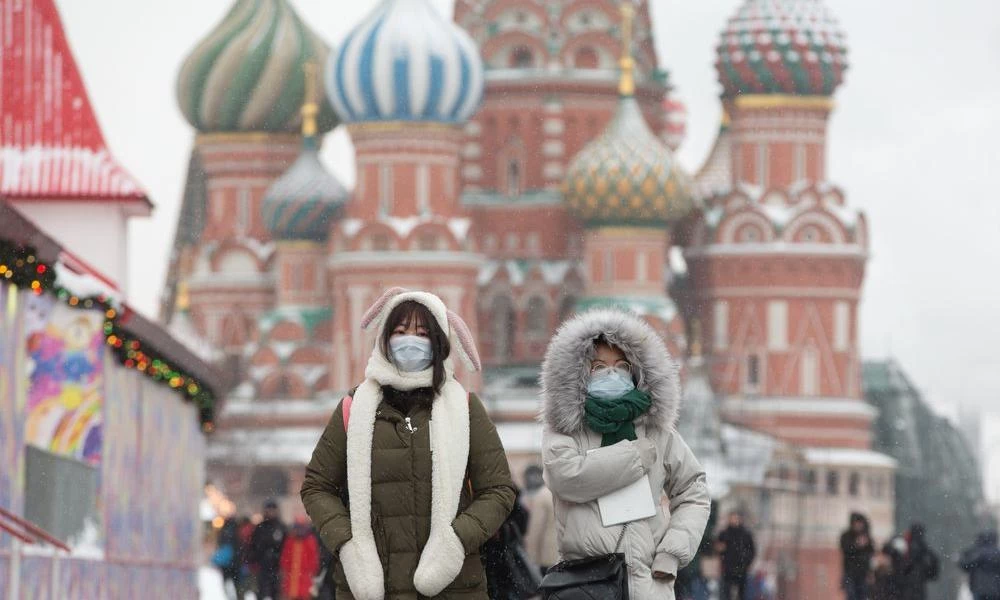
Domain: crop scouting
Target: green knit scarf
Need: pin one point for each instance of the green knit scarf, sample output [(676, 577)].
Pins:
[(613, 419)]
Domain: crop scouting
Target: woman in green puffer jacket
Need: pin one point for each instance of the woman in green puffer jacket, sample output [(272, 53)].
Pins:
[(407, 487)]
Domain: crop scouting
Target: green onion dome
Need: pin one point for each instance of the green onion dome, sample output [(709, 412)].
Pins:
[(627, 176), (301, 204), (246, 75), (782, 47)]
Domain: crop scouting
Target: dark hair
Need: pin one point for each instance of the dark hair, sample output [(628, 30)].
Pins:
[(403, 314)]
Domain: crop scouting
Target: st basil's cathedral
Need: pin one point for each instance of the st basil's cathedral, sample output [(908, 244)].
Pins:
[(518, 161)]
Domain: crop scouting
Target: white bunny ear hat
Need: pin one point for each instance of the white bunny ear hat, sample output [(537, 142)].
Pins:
[(458, 332)]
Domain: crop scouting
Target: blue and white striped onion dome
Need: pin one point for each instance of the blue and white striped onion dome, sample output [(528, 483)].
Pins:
[(405, 62), (301, 204)]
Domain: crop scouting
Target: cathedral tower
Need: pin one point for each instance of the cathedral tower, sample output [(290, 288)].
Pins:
[(405, 80)]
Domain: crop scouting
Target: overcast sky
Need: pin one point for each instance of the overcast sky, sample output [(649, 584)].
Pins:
[(912, 142)]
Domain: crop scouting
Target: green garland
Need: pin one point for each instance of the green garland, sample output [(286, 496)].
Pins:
[(20, 266)]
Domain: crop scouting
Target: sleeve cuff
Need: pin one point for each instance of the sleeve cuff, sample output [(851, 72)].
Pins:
[(666, 563)]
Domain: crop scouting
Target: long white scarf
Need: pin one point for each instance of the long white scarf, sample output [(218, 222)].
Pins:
[(449, 456)]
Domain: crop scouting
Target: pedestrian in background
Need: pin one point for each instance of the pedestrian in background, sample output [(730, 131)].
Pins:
[(913, 563), (540, 539), (611, 400), (226, 556), (299, 561), (736, 547), (268, 538), (982, 563), (857, 550)]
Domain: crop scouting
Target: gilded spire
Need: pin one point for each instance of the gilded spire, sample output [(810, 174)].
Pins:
[(183, 300), (696, 339), (309, 107), (626, 85)]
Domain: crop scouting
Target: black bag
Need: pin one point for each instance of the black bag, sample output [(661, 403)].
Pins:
[(592, 578), (524, 575)]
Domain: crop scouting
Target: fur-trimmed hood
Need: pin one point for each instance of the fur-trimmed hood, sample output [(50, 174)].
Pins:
[(566, 370)]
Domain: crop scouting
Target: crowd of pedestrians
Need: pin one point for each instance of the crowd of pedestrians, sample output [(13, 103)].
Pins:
[(271, 559)]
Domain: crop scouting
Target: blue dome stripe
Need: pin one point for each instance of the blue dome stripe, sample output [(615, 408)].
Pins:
[(340, 93), (366, 70), (464, 80), (401, 85), (437, 88)]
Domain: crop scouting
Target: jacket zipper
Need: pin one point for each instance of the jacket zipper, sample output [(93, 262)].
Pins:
[(409, 425)]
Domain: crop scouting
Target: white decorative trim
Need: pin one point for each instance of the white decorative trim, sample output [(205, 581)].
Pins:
[(796, 249), (781, 291), (823, 406), (408, 257)]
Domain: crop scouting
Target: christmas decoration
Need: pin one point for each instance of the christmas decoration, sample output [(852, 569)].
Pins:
[(20, 266)]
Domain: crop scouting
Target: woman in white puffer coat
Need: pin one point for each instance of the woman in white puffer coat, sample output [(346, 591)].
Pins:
[(611, 400)]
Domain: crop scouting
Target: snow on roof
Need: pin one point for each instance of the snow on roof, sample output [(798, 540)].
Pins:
[(460, 227), (553, 272), (749, 454), (487, 271), (272, 446), (298, 408), (184, 331), (847, 407), (84, 284), (51, 146), (849, 457), (351, 227)]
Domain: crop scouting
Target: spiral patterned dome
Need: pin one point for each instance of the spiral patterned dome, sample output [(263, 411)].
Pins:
[(246, 75), (301, 203), (782, 47), (405, 62), (627, 176)]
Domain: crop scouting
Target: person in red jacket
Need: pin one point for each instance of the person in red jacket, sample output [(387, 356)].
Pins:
[(299, 562)]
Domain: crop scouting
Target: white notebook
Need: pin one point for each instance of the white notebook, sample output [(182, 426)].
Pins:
[(631, 503)]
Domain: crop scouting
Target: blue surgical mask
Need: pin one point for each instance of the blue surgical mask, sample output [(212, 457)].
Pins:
[(610, 384), (410, 353)]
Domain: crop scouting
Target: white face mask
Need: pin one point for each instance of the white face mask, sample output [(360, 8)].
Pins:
[(610, 384), (410, 353)]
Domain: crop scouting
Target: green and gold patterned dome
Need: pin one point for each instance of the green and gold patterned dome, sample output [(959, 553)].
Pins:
[(627, 176), (246, 75)]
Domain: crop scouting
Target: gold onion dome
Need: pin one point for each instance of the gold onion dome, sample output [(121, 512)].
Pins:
[(246, 75), (627, 176)]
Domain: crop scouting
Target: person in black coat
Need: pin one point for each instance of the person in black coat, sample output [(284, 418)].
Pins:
[(735, 545), (857, 550), (913, 564), (266, 543), (982, 563), (509, 574)]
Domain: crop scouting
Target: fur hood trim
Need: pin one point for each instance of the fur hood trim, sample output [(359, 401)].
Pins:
[(566, 370)]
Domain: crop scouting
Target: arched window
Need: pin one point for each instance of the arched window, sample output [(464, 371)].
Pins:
[(521, 58), (854, 484), (832, 483), (504, 328), (586, 58), (537, 318), (513, 177)]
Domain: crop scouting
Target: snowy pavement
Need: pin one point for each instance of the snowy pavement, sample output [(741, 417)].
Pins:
[(210, 586)]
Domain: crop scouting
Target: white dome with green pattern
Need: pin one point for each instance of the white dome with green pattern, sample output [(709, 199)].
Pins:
[(247, 74)]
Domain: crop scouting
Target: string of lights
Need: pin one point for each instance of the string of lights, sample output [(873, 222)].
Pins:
[(21, 267)]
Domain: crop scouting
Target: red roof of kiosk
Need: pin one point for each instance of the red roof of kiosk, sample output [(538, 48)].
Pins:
[(51, 147)]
